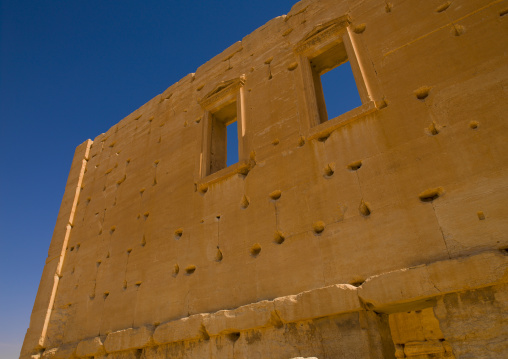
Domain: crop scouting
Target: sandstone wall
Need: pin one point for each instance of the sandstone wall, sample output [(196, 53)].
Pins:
[(325, 239)]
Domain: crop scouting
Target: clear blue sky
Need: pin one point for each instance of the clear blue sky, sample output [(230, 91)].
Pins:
[(69, 70)]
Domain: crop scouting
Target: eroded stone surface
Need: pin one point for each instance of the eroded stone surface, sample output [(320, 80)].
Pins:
[(182, 329), (375, 234), (128, 339), (90, 347)]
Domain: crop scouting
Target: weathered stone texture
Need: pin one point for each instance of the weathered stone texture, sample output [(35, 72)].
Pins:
[(476, 322), (90, 347), (335, 337), (379, 233)]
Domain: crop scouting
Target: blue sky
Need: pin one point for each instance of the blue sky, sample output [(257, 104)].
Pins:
[(69, 70)]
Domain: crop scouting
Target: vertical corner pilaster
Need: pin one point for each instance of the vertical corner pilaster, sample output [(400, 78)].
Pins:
[(41, 313)]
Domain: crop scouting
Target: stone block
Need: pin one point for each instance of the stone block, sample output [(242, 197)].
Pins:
[(129, 354), (427, 281), (65, 351), (243, 318), (178, 330), (90, 347), (128, 339), (471, 272), (334, 299)]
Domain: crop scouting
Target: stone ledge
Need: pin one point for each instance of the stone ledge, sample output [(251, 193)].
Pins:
[(324, 129), (387, 291), (251, 316), (90, 347), (239, 168), (322, 302), (128, 339), (384, 293), (66, 351), (179, 330)]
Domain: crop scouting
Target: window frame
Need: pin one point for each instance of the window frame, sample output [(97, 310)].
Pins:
[(221, 96), (322, 38)]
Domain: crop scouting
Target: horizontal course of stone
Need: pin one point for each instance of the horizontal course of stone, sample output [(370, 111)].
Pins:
[(382, 293)]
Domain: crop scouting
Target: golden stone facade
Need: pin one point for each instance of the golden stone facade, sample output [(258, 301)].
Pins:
[(380, 233)]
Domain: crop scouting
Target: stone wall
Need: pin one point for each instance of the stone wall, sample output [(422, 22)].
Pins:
[(379, 233)]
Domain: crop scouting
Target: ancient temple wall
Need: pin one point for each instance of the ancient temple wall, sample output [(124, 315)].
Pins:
[(416, 177)]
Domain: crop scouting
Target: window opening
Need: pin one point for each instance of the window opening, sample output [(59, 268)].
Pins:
[(223, 126), (224, 138), (334, 83), (340, 90), (232, 143)]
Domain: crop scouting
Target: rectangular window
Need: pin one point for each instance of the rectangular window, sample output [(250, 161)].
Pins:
[(224, 138), (333, 78), (223, 127), (232, 143), (339, 89)]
